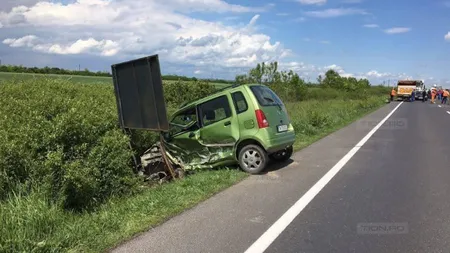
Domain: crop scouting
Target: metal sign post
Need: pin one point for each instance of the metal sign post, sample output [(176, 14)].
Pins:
[(140, 99)]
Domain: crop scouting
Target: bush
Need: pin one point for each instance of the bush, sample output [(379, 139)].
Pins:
[(64, 139), (180, 92)]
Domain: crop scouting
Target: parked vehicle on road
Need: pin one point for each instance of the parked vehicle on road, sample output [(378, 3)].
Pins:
[(419, 92), (405, 89), (243, 124)]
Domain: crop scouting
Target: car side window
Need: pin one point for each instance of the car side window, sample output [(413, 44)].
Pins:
[(184, 121), (215, 110), (239, 102)]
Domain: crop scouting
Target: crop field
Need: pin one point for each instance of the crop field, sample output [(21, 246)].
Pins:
[(65, 167), (10, 76)]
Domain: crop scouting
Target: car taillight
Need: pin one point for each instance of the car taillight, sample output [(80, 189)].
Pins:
[(261, 118)]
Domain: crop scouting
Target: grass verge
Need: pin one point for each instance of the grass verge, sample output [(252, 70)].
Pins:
[(30, 224)]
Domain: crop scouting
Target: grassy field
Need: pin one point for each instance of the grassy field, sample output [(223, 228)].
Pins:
[(7, 76), (49, 127)]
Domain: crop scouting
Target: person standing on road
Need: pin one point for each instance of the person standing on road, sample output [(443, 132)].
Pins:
[(393, 93), (413, 96), (440, 95), (433, 95), (445, 97), (424, 95)]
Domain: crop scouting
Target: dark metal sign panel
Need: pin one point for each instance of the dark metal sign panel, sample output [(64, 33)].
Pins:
[(139, 94)]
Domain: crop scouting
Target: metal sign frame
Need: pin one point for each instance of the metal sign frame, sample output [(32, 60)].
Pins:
[(139, 94)]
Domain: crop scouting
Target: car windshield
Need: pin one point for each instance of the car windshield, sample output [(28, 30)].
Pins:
[(265, 96)]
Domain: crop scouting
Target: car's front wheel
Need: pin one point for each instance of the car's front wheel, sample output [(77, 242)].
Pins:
[(253, 159), (283, 155)]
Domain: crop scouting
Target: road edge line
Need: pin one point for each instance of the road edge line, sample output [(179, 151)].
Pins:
[(266, 239)]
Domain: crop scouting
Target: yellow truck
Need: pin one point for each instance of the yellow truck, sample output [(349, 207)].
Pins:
[(405, 89)]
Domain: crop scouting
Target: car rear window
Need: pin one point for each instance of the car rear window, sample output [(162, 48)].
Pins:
[(265, 96)]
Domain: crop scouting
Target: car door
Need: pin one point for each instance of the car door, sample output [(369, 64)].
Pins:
[(219, 125), (184, 131)]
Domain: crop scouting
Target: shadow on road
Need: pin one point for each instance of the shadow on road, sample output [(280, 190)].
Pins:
[(274, 166)]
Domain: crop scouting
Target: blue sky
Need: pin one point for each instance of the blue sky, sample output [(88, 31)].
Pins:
[(216, 38)]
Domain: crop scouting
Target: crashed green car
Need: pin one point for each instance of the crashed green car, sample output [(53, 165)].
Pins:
[(244, 124)]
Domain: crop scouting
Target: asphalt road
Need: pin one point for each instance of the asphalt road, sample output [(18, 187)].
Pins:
[(391, 196)]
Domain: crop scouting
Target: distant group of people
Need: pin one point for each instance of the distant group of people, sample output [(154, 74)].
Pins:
[(440, 94)]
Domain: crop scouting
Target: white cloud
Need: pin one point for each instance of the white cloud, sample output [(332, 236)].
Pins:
[(253, 20), (396, 30), (312, 2), (335, 67), (26, 41), (103, 47), (303, 69), (447, 36), (6, 5), (282, 14), (338, 12), (125, 29), (371, 25), (209, 6), (374, 73)]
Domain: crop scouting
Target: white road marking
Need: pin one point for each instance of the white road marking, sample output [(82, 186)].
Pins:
[(439, 105), (280, 225), (448, 112)]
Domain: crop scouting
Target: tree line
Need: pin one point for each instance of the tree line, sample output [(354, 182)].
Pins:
[(269, 74), (265, 73), (291, 87)]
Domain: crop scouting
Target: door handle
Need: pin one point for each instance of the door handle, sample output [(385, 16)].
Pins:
[(192, 134), (227, 123)]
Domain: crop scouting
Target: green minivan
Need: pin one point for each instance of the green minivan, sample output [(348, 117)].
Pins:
[(244, 124)]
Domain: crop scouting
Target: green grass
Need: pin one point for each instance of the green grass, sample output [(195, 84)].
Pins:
[(30, 224), (7, 76)]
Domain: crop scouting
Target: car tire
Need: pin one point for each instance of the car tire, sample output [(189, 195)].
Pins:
[(253, 159), (283, 155)]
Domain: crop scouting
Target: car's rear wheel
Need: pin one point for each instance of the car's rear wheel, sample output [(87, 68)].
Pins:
[(283, 155), (253, 159)]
